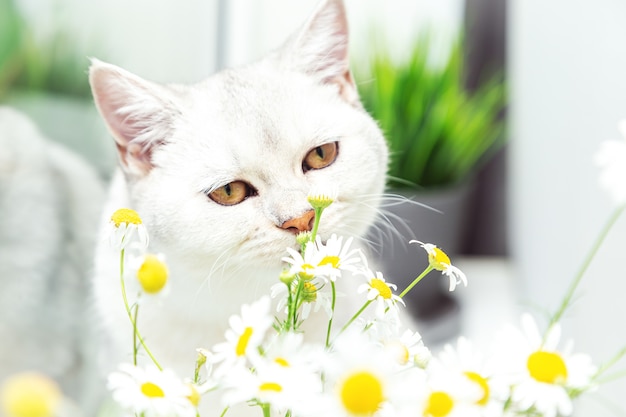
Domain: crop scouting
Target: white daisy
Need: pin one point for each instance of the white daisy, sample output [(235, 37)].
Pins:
[(326, 261), (408, 349), (441, 262), (277, 382), (363, 379), (335, 256), (147, 275), (126, 225), (449, 394), (245, 335), (381, 291), (463, 359), (611, 158), (151, 392), (542, 375), (305, 265)]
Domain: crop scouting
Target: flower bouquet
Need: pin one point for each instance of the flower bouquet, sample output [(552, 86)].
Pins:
[(374, 364)]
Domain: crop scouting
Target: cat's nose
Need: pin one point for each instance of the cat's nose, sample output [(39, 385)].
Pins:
[(303, 223)]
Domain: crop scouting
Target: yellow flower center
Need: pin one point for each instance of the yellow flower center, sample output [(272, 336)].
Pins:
[(307, 272), (438, 260), (439, 404), (382, 288), (270, 386), (29, 395), (152, 274), (320, 201), (547, 367), (482, 383), (362, 393), (152, 390), (309, 292), (125, 215), (242, 343), (330, 260), (194, 397), (282, 362)]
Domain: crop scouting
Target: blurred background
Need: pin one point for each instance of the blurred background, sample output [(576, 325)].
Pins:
[(531, 87)]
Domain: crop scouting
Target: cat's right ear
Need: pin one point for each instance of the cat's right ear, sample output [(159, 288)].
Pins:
[(138, 113)]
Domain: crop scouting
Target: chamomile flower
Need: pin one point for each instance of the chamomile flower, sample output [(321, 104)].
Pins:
[(30, 394), (381, 291), (151, 392), (449, 395), (611, 158), (542, 375), (463, 359), (326, 261), (305, 265), (362, 379), (126, 225), (282, 382), (335, 256), (408, 349), (245, 335), (441, 262)]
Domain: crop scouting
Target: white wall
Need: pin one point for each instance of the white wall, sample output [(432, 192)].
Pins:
[(257, 27), (165, 41), (568, 77)]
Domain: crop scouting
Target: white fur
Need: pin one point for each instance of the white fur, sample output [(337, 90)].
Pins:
[(50, 201), (254, 124)]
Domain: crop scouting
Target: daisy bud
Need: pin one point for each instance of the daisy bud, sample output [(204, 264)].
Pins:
[(287, 277), (303, 238)]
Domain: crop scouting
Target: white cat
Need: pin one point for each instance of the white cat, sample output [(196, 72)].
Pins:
[(219, 172), (50, 202)]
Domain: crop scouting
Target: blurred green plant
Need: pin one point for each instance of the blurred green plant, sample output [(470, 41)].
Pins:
[(28, 66), (438, 132)]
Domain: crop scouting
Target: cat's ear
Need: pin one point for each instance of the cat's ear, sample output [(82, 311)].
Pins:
[(138, 113), (320, 49)]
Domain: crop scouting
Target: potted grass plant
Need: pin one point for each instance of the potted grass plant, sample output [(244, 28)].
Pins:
[(439, 135)]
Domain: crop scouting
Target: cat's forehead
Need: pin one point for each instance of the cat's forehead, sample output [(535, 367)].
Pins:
[(265, 110)]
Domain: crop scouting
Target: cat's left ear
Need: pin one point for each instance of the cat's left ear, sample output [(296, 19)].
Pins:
[(320, 49)]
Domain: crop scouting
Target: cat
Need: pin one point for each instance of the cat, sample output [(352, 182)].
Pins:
[(50, 201), (219, 172)]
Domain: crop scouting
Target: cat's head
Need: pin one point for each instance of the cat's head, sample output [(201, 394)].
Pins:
[(222, 169)]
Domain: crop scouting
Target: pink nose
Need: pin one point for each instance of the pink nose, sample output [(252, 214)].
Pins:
[(304, 223)]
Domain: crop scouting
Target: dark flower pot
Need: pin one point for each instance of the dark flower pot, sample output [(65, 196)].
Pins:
[(439, 217)]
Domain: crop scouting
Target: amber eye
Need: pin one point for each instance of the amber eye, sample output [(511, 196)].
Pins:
[(320, 157), (232, 193)]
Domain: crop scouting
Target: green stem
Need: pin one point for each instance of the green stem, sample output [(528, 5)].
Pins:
[(605, 366), (357, 314), (594, 249), (290, 307), (416, 280), (332, 312), (316, 223), (224, 412), (297, 303), (135, 347), (266, 410), (133, 320)]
